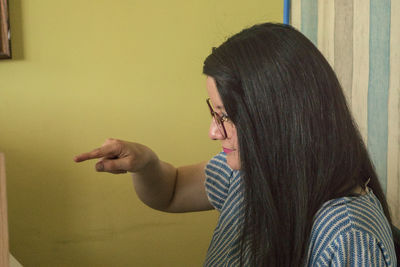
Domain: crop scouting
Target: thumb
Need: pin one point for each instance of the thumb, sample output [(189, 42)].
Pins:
[(118, 165)]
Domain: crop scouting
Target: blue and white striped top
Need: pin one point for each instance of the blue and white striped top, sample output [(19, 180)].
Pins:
[(348, 231)]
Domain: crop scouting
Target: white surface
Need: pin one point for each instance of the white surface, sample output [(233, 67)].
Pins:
[(14, 262)]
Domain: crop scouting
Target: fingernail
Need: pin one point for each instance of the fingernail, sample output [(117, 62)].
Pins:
[(99, 166)]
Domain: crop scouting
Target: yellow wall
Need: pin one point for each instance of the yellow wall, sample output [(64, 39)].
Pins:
[(87, 70)]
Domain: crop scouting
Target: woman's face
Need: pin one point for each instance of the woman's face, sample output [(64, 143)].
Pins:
[(230, 143)]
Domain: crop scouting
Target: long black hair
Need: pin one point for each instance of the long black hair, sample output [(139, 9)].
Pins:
[(299, 146)]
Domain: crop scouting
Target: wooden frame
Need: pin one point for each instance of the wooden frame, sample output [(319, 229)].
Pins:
[(4, 247), (5, 47)]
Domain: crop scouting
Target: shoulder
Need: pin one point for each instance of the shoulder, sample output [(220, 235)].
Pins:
[(345, 229), (218, 176), (218, 166)]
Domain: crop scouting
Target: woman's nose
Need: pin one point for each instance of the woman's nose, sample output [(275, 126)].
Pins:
[(214, 133)]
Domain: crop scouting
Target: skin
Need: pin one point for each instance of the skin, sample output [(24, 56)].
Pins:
[(231, 141), (157, 183)]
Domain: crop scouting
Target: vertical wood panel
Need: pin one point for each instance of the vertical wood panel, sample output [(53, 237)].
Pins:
[(4, 249), (326, 29), (295, 14), (344, 45), (393, 189), (309, 19), (360, 65), (379, 65)]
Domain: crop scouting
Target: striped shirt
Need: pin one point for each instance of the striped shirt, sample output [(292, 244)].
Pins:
[(348, 231)]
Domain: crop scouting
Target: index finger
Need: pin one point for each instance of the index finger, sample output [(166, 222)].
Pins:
[(105, 151)]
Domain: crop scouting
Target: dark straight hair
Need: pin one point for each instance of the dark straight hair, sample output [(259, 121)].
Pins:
[(299, 146)]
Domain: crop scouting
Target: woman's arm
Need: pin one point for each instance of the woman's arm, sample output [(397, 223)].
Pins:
[(158, 184)]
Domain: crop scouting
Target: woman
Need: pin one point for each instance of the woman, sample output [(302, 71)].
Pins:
[(294, 185)]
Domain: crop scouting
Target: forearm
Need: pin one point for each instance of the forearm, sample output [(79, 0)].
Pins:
[(155, 184), (166, 188), (158, 184)]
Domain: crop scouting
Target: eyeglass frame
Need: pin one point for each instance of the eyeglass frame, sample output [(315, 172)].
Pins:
[(219, 120)]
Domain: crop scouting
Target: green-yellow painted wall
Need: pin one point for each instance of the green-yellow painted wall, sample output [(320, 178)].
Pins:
[(87, 70)]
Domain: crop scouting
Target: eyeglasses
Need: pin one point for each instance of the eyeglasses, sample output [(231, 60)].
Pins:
[(219, 120)]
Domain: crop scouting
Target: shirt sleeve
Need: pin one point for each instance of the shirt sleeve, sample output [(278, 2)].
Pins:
[(356, 248), (218, 174)]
